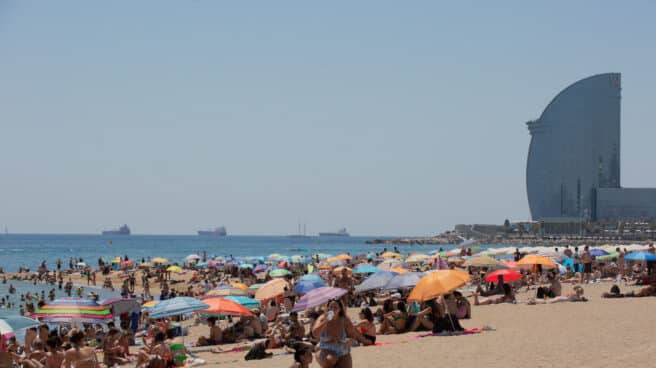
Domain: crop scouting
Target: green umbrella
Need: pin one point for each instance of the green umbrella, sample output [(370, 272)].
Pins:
[(280, 272)]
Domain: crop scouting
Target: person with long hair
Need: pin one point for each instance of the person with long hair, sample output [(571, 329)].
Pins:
[(333, 329), (366, 325)]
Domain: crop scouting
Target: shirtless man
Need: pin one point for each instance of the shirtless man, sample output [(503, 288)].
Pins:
[(216, 335), (586, 260)]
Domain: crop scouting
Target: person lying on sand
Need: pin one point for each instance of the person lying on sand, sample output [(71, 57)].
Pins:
[(508, 297), (576, 297), (615, 292)]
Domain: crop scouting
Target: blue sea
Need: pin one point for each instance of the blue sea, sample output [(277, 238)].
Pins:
[(29, 250)]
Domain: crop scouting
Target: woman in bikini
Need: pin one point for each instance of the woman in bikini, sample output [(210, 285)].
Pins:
[(79, 356), (333, 329), (366, 325), (112, 349), (158, 355)]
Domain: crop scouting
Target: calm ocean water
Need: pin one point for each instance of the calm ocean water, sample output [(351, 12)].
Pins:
[(29, 250)]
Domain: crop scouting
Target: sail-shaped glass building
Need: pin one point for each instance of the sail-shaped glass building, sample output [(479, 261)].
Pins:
[(573, 166)]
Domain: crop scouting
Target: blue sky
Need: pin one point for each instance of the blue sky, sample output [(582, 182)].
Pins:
[(383, 117)]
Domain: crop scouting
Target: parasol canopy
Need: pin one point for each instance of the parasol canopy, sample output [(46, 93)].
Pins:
[(404, 281), (438, 283), (74, 309), (376, 281), (271, 289), (225, 307), (177, 306), (318, 297), (508, 275)]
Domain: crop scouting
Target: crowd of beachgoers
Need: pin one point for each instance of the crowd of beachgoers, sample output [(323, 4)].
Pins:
[(297, 304)]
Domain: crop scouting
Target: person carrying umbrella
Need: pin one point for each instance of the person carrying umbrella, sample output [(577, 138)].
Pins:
[(333, 329)]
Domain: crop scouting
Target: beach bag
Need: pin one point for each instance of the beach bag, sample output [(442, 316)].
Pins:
[(257, 352)]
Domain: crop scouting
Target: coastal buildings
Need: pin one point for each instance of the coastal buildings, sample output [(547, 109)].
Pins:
[(573, 166)]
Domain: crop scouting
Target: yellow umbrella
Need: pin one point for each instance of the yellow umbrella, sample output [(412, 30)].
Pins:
[(174, 268), (159, 260), (239, 285), (416, 258), (391, 255), (531, 260), (338, 270), (399, 270), (271, 289), (343, 257), (438, 283), (482, 261)]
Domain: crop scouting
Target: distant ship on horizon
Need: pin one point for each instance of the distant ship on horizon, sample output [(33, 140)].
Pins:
[(123, 230), (340, 233), (219, 231)]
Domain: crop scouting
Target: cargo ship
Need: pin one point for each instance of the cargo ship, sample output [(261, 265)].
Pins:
[(342, 232), (219, 231), (123, 230)]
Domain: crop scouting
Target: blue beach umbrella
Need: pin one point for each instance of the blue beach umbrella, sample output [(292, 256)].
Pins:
[(177, 306), (311, 277), (246, 265), (641, 256), (365, 268), (404, 281), (16, 323), (303, 287), (596, 252), (377, 280)]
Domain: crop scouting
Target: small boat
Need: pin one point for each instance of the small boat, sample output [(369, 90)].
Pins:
[(342, 232), (123, 230), (219, 231)]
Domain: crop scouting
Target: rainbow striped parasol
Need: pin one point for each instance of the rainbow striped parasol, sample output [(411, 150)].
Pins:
[(74, 309)]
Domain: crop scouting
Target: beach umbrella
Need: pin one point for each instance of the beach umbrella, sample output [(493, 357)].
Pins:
[(275, 256), (318, 297), (120, 305), (376, 281), (159, 260), (226, 291), (343, 257), (596, 252), (388, 255), (531, 260), (404, 281), (311, 277), (254, 287), (438, 283), (508, 275), (640, 256), (127, 264), (303, 287), (9, 324), (325, 266), (225, 307), (609, 256), (417, 258), (247, 302), (365, 268), (246, 266), (177, 306), (73, 309), (239, 285), (388, 264), (148, 306), (509, 264), (174, 269), (271, 289), (202, 264), (482, 261), (191, 258), (399, 270), (280, 272), (260, 268)]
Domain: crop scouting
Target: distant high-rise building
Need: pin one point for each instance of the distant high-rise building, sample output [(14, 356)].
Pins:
[(573, 166)]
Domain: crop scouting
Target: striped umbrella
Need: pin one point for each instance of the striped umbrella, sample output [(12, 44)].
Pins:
[(177, 306), (74, 309), (318, 297), (226, 291)]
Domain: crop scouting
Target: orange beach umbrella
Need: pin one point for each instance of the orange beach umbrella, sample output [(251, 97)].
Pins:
[(271, 289), (531, 260), (438, 283), (225, 307)]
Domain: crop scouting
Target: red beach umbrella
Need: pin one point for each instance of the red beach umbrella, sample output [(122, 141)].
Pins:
[(508, 275)]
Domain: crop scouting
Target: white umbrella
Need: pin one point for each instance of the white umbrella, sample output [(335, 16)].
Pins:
[(192, 257), (177, 306)]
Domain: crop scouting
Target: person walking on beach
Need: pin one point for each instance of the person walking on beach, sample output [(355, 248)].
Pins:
[(586, 260)]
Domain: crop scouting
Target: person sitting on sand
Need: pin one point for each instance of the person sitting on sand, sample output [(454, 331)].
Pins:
[(157, 356), (426, 318), (215, 337), (496, 290), (333, 329), (395, 321), (508, 297), (112, 350), (366, 325), (461, 306), (79, 356)]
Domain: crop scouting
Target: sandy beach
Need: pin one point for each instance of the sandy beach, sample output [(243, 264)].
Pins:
[(597, 333)]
